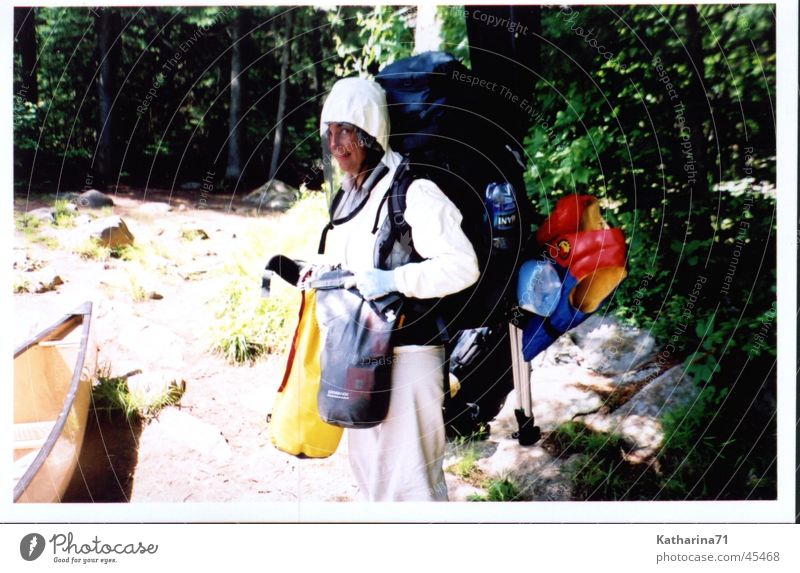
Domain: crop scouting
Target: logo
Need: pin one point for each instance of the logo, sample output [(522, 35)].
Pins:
[(31, 547), (563, 248)]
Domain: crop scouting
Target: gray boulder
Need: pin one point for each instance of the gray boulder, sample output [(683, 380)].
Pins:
[(94, 199), (609, 348), (275, 195), (43, 280), (640, 419), (43, 214)]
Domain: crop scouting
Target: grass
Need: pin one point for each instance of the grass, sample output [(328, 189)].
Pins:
[(134, 287), (690, 446), (93, 250), (32, 227), (63, 214), (21, 285), (112, 393), (27, 224), (600, 470), (465, 468), (247, 326), (499, 489)]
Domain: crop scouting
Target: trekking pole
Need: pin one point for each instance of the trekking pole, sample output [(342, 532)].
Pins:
[(528, 433)]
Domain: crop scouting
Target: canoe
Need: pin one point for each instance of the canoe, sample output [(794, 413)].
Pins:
[(53, 374)]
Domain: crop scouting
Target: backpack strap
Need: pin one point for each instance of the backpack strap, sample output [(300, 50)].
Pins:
[(374, 177), (395, 198)]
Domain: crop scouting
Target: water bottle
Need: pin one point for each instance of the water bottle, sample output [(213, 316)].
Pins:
[(501, 206), (538, 287)]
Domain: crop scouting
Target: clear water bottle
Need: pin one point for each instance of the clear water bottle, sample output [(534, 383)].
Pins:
[(501, 205), (538, 287)]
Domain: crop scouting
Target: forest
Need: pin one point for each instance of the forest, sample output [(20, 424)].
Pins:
[(664, 113)]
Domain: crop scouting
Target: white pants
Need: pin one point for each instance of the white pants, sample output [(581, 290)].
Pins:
[(401, 459)]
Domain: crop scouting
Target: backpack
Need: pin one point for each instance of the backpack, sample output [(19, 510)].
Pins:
[(444, 127), (480, 362)]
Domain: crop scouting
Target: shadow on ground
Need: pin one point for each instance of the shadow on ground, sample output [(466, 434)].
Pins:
[(108, 460)]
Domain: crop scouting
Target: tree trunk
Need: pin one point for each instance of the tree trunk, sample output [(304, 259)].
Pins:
[(234, 169), (509, 59), (428, 33), (316, 43), (108, 24), (25, 35), (276, 147)]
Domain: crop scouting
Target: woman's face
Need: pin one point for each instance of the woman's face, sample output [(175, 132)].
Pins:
[(345, 147)]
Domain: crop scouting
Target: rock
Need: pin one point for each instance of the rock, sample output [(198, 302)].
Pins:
[(44, 280), (149, 386), (22, 284), (280, 203), (272, 195), (20, 259), (192, 433), (82, 220), (124, 369), (25, 262), (609, 348), (43, 214), (639, 419), (111, 232), (191, 233), (153, 295), (535, 472), (457, 490), (155, 208), (94, 199)]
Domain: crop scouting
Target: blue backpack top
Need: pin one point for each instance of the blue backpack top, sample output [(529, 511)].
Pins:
[(443, 126)]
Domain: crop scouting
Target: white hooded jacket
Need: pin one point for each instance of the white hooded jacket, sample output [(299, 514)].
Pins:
[(450, 263)]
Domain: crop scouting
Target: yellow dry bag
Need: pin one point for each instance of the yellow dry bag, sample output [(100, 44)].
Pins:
[(295, 426)]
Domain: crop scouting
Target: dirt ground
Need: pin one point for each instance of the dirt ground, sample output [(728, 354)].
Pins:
[(214, 446)]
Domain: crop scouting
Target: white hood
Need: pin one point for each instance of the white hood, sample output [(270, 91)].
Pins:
[(361, 102)]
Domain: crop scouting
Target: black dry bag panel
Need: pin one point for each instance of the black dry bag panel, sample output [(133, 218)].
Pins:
[(356, 359)]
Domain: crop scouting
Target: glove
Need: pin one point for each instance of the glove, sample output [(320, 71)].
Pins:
[(375, 283)]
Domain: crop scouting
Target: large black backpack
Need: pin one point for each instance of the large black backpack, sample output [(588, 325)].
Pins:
[(442, 122)]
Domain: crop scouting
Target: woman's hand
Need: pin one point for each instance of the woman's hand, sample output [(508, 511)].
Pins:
[(375, 283)]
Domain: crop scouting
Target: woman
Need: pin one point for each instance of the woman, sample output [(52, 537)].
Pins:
[(401, 459)]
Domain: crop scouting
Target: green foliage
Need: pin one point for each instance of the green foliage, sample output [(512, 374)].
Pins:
[(112, 393), (689, 448), (622, 113), (247, 325), (501, 489), (465, 467), (599, 470), (454, 32), (366, 40), (63, 213), (27, 223), (93, 250)]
